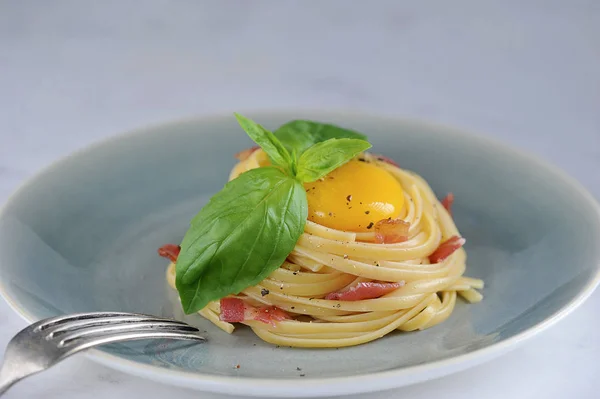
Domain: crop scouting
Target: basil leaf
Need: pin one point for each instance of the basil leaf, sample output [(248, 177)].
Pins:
[(302, 134), (241, 236), (324, 157), (267, 141)]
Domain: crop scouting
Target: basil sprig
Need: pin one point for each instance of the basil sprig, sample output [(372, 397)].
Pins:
[(302, 134), (326, 156), (247, 230), (268, 142)]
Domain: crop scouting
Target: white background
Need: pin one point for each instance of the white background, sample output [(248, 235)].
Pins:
[(527, 72)]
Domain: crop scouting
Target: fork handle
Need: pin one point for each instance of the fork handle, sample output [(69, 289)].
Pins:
[(8, 379), (4, 385)]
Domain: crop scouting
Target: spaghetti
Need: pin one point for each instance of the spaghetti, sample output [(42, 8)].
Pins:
[(340, 288)]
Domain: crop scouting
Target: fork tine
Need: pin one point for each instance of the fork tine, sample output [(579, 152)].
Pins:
[(70, 326), (43, 324), (129, 336), (124, 328)]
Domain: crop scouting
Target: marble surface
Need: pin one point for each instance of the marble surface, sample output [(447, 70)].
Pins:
[(74, 72)]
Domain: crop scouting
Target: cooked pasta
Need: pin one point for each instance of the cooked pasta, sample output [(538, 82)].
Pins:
[(417, 293)]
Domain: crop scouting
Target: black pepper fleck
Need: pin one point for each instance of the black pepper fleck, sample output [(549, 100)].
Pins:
[(295, 273), (264, 292), (367, 212), (330, 214), (370, 225), (302, 375), (349, 197), (298, 368), (338, 305), (293, 307)]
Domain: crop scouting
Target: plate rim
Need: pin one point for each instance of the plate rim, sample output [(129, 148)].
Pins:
[(316, 387)]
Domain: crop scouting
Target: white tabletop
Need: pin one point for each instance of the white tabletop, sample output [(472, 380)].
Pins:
[(73, 72)]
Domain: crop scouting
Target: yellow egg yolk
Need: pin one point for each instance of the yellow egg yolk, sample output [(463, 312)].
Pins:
[(354, 197)]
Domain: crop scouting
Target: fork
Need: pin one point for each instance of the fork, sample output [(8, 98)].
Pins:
[(47, 342)]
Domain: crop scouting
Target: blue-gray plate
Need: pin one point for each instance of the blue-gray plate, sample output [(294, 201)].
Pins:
[(82, 236)]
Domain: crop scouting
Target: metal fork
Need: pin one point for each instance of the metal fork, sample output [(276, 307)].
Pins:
[(47, 342)]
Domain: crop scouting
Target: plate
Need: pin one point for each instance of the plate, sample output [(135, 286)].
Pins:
[(82, 236)]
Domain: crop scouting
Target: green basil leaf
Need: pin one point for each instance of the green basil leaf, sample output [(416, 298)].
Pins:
[(267, 141), (324, 157), (242, 235), (302, 134)]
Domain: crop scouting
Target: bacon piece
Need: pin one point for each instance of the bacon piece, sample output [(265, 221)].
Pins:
[(367, 290), (446, 249), (385, 159), (170, 251), (235, 310), (447, 202), (390, 231), (270, 314), (244, 154)]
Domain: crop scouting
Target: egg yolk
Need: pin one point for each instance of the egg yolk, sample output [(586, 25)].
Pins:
[(354, 197)]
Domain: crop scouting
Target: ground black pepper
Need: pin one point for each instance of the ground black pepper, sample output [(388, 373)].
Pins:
[(264, 292)]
